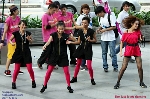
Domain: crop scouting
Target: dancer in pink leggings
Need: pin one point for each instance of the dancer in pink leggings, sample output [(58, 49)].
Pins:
[(59, 55), (22, 53), (84, 50)]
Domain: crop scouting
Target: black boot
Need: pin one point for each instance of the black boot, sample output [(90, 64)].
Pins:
[(13, 85), (33, 84), (117, 86), (43, 88), (74, 79), (143, 85), (93, 82), (70, 89)]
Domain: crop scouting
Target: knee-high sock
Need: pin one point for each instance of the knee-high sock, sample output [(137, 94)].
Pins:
[(48, 74), (67, 74), (90, 69), (16, 71), (30, 70), (77, 67)]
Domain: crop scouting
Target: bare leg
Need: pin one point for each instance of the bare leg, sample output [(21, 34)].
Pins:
[(8, 63)]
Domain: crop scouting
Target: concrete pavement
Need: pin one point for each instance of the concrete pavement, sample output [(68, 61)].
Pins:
[(83, 89)]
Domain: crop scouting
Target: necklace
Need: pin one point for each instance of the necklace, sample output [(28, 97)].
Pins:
[(23, 39)]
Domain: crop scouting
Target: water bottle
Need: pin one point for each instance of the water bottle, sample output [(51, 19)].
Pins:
[(34, 60)]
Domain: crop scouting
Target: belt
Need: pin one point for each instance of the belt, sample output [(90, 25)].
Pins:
[(135, 44)]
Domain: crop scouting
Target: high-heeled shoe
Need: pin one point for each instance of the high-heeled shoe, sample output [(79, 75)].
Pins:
[(74, 79), (93, 82), (117, 86), (43, 88), (143, 85), (13, 85), (70, 89), (33, 84)]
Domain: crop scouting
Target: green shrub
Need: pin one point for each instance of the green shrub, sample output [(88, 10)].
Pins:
[(33, 22)]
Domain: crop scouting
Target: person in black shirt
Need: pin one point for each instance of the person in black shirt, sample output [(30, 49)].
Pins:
[(86, 37), (22, 53), (59, 55)]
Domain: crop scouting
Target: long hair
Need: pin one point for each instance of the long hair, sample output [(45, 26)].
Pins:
[(131, 20)]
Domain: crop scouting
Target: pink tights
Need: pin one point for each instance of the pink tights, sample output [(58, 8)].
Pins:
[(49, 71), (89, 66), (17, 69)]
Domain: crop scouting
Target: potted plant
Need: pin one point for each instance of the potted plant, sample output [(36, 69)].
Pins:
[(34, 25), (146, 28)]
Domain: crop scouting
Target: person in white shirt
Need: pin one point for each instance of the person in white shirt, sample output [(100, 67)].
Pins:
[(84, 12), (107, 37), (121, 16)]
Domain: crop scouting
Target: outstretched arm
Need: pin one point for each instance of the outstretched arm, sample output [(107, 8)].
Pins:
[(48, 42)]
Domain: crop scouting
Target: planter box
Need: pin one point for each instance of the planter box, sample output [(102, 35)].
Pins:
[(146, 32), (3, 51), (36, 35)]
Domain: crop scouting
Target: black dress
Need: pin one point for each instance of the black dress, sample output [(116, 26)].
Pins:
[(84, 50), (22, 52), (59, 55)]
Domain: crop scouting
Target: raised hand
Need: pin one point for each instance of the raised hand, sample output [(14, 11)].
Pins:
[(68, 42)]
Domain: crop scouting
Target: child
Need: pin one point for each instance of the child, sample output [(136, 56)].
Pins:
[(67, 18), (22, 52), (84, 51), (131, 37), (59, 55), (84, 12)]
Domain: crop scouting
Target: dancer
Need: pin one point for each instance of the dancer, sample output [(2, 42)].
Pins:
[(48, 27), (122, 15), (67, 18), (59, 55), (11, 25), (84, 12), (131, 37), (22, 52), (86, 37)]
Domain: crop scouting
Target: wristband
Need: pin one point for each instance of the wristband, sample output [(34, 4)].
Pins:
[(48, 26), (2, 41)]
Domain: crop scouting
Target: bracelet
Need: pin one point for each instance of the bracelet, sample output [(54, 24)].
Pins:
[(2, 41)]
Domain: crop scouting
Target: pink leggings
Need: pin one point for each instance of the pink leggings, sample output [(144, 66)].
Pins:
[(49, 71), (17, 69), (89, 66)]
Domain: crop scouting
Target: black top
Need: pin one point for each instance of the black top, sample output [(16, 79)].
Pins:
[(21, 40), (59, 55), (22, 51), (84, 50)]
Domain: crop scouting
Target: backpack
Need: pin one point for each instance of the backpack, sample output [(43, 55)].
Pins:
[(115, 30)]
